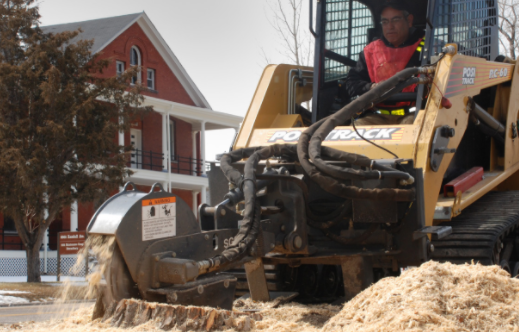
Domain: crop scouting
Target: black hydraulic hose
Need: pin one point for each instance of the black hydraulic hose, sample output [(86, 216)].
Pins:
[(233, 175), (249, 230), (332, 184), (320, 219), (324, 130)]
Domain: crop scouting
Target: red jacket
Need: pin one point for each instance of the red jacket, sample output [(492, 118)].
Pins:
[(383, 62)]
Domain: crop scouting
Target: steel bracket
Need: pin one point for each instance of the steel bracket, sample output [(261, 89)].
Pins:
[(437, 232), (439, 146)]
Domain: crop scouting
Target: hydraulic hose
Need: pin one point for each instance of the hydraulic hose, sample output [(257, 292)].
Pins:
[(399, 81), (249, 230), (328, 176)]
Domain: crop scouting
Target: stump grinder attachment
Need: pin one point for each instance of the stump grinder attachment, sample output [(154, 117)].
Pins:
[(159, 251)]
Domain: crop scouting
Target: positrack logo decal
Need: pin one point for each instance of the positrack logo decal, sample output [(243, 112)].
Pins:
[(342, 135), (469, 75)]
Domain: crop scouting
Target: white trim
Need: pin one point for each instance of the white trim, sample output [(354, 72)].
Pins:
[(23, 254), (202, 147), (193, 138), (194, 115), (138, 64), (165, 146), (178, 181), (74, 216), (118, 34), (152, 71), (174, 64), (117, 63), (194, 195)]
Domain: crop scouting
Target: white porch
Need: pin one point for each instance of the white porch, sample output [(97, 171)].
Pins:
[(201, 120)]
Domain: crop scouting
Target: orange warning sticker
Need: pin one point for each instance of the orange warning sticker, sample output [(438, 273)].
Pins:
[(158, 201)]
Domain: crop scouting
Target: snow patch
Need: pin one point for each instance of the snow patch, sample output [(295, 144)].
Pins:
[(12, 292), (4, 299)]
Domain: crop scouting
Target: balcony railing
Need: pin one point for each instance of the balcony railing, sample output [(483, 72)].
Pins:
[(9, 240), (154, 161)]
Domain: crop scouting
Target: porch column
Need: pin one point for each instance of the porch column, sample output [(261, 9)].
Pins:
[(203, 194), (121, 137), (74, 217), (45, 244), (202, 151), (195, 203), (193, 138), (165, 141)]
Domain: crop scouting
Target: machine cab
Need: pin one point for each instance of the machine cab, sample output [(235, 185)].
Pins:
[(345, 27)]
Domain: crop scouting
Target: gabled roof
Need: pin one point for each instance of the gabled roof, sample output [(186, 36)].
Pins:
[(106, 30)]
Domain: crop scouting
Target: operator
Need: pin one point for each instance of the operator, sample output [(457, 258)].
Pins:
[(398, 48)]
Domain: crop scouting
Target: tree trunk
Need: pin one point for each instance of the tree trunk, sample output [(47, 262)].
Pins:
[(33, 263)]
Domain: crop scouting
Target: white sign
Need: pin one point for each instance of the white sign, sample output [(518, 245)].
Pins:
[(159, 218)]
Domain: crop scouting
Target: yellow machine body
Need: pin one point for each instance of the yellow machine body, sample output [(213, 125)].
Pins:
[(265, 122)]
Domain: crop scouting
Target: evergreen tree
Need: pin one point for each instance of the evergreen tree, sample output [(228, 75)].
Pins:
[(58, 124)]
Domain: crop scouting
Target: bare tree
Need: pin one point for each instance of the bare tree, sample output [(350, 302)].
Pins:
[(297, 41), (508, 26)]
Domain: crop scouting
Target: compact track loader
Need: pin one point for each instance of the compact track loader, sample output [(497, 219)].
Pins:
[(317, 203)]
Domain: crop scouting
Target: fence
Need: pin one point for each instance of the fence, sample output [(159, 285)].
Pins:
[(13, 263)]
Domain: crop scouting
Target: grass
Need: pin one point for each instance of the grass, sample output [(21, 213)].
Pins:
[(45, 291)]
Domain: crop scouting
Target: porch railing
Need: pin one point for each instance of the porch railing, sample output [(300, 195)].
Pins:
[(9, 240), (154, 161)]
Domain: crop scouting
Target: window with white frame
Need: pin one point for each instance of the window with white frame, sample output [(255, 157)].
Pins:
[(135, 60), (172, 140), (151, 79), (119, 67)]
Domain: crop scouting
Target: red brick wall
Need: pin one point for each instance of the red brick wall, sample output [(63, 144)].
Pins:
[(9, 242), (65, 219), (85, 213), (183, 148), (152, 141), (167, 86)]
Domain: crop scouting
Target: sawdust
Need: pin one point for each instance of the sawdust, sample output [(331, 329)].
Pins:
[(100, 246), (289, 317), (435, 297)]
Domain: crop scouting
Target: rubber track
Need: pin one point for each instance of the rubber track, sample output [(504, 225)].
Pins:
[(479, 229)]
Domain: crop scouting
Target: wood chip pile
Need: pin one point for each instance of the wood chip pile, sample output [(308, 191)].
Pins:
[(435, 297)]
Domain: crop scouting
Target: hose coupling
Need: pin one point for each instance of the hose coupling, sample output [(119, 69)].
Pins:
[(424, 80), (449, 49), (429, 70), (407, 182)]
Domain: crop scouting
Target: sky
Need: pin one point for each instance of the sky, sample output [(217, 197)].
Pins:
[(220, 43)]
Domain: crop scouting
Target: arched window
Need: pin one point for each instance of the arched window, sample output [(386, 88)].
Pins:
[(135, 60)]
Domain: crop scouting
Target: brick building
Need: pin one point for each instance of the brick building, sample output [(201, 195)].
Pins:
[(169, 142)]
